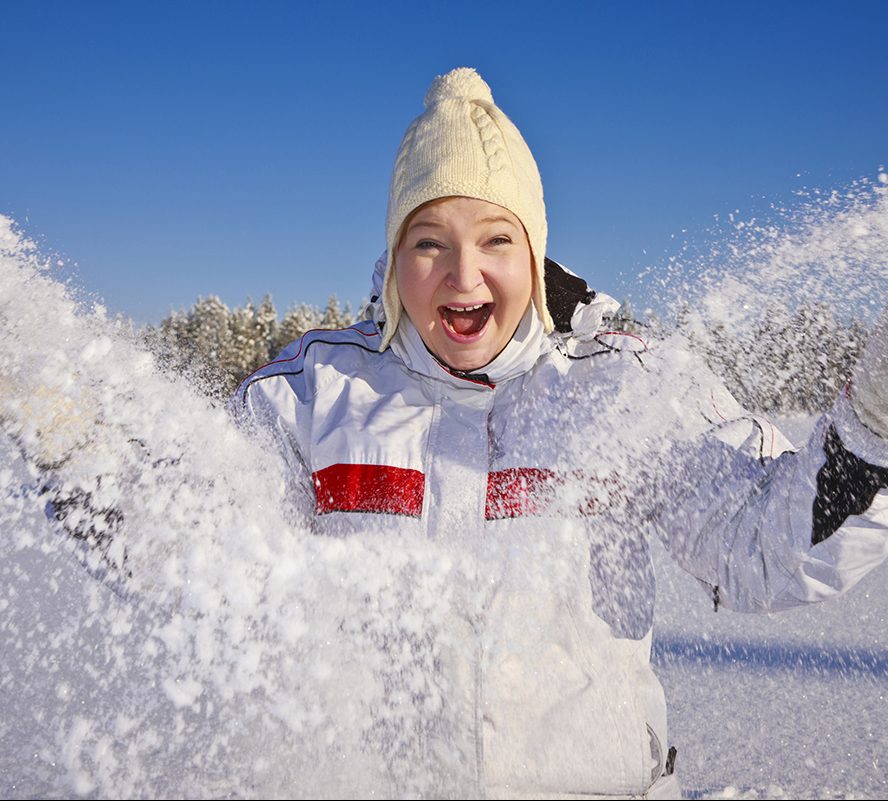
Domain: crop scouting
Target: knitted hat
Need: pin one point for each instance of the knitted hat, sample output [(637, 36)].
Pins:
[(463, 145)]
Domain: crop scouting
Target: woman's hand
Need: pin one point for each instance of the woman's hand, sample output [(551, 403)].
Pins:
[(50, 421), (869, 384)]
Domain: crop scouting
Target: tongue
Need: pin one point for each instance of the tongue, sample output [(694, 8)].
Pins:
[(467, 322)]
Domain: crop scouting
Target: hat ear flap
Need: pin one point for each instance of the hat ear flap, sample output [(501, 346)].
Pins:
[(391, 302)]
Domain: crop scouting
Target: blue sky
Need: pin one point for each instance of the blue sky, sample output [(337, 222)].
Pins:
[(172, 150)]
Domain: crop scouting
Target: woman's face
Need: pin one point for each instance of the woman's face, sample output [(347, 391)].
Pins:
[(464, 275)]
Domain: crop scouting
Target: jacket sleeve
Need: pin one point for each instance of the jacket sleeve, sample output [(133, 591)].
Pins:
[(267, 406), (770, 528)]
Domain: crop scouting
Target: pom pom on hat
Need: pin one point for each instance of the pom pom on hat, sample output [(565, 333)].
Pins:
[(463, 145), (463, 83)]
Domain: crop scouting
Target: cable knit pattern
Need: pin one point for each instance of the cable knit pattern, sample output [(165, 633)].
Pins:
[(491, 140), (463, 145)]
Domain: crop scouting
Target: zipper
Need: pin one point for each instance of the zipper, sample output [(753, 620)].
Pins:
[(656, 755)]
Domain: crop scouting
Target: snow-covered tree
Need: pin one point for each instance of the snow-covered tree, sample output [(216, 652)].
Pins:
[(208, 327), (298, 319), (789, 361), (336, 317), (266, 326), (221, 346), (248, 349)]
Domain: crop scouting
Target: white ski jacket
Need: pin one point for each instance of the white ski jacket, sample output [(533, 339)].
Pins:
[(549, 469)]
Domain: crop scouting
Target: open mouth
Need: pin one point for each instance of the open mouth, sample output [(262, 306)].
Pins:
[(465, 322)]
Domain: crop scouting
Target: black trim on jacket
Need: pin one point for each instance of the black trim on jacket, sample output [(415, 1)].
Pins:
[(564, 292), (846, 486)]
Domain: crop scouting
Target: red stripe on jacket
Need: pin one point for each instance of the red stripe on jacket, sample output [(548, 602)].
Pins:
[(515, 492), (519, 491), (528, 491), (369, 488)]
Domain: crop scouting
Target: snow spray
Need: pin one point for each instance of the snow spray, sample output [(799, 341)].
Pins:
[(779, 305), (212, 647)]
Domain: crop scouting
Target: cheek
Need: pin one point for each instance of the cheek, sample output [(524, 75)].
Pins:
[(519, 285), (527, 287), (414, 287)]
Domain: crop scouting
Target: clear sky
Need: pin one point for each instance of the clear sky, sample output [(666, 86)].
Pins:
[(177, 149)]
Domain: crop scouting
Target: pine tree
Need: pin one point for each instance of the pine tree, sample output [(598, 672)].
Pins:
[(334, 317), (208, 329), (298, 319), (171, 340), (789, 362), (266, 328), (247, 348)]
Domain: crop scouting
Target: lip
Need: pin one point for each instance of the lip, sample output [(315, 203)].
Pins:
[(462, 339)]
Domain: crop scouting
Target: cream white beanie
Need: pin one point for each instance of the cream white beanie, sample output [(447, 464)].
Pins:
[(464, 145)]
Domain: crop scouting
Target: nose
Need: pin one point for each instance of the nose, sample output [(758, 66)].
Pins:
[(464, 274)]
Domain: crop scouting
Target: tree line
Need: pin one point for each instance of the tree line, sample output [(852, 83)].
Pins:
[(220, 346), (789, 361)]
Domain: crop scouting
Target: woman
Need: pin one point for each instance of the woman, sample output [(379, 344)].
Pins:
[(484, 403)]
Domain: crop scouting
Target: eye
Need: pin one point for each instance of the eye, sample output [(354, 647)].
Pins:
[(427, 244), (500, 240)]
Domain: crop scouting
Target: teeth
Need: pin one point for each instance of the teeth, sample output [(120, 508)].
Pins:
[(465, 308)]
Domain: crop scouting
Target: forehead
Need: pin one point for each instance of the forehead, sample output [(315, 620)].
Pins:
[(460, 211)]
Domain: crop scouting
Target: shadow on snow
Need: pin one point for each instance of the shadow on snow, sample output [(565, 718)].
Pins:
[(672, 650)]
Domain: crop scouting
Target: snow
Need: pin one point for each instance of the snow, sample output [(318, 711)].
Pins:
[(795, 701), (219, 650), (100, 697)]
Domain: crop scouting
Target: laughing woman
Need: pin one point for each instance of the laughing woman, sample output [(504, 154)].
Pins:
[(484, 402)]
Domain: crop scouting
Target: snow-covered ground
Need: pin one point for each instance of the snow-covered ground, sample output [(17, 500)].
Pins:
[(792, 705)]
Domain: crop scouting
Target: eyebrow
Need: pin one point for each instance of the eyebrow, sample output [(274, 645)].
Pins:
[(435, 224)]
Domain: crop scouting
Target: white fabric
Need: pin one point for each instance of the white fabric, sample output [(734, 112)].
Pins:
[(552, 673)]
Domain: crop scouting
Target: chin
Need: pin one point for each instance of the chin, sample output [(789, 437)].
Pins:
[(464, 357), (465, 362)]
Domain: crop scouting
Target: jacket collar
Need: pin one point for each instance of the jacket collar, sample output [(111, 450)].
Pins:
[(520, 354)]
